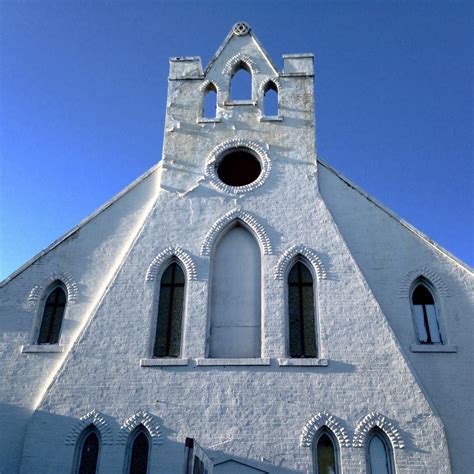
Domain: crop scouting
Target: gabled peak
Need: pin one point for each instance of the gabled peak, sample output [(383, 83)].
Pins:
[(241, 45)]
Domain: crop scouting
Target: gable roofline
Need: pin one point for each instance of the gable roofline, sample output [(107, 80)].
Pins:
[(397, 218), (224, 44), (81, 224)]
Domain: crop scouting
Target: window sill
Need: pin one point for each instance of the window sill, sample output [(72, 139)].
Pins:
[(208, 120), (41, 348), (232, 103), (303, 362), (229, 362), (273, 118), (433, 348), (163, 362)]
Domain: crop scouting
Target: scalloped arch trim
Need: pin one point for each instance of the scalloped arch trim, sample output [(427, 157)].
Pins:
[(167, 254), (425, 272), (239, 57), (225, 220), (38, 290), (147, 420), (237, 143), (291, 253), (376, 420), (203, 87), (323, 419), (92, 418), (268, 79)]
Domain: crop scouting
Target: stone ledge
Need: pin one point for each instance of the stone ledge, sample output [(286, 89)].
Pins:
[(163, 362), (303, 362), (227, 362), (41, 348), (273, 118), (433, 348), (208, 120), (232, 103)]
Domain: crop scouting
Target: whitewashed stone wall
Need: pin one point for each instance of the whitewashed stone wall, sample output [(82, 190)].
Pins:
[(261, 411)]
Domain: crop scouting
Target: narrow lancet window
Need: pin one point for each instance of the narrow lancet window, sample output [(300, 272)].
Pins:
[(270, 100), (53, 313), (426, 320), (379, 454), (170, 313), (241, 83), (302, 327), (325, 453), (139, 451), (210, 102), (88, 452)]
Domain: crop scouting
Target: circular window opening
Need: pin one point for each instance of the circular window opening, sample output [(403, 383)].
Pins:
[(238, 168)]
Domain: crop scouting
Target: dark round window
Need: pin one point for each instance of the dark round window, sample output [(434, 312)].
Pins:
[(238, 168)]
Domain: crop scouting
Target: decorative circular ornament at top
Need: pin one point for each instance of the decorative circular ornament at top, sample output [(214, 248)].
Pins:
[(241, 28), (236, 149)]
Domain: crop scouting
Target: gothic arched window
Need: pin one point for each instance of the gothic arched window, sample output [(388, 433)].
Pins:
[(379, 453), (88, 451), (241, 83), (270, 99), (210, 101), (53, 312), (301, 314), (138, 452), (325, 453), (424, 311), (170, 313)]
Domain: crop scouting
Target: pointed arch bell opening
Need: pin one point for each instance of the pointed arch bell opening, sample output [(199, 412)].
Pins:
[(241, 82), (235, 294), (270, 99)]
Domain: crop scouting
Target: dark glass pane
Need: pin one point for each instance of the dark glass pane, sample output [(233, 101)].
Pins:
[(295, 322), (422, 295), (170, 313), (379, 456), (89, 454), (139, 455), (52, 317), (326, 455), (306, 276), (293, 276), (308, 317)]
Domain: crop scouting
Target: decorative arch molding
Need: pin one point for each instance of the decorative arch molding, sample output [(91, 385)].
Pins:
[(291, 253), (427, 273), (268, 79), (376, 420), (239, 57), (147, 420), (225, 220), (91, 418), (203, 87), (38, 290), (323, 419), (167, 254), (217, 151)]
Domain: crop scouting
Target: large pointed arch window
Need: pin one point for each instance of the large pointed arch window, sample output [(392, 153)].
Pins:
[(138, 452), (241, 82), (88, 451), (325, 453), (170, 312), (301, 311), (425, 314), (379, 453), (53, 313)]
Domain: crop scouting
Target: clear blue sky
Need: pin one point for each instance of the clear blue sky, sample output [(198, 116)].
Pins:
[(83, 91)]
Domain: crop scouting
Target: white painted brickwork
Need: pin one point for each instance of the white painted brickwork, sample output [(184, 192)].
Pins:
[(264, 411)]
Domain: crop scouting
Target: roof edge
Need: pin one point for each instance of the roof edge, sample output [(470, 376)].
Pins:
[(397, 218), (81, 224)]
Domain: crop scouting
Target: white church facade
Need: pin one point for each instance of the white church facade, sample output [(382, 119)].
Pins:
[(244, 294)]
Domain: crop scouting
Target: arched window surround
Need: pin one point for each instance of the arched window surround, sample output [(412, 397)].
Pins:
[(213, 239), (139, 429), (376, 431), (91, 428), (41, 312), (158, 274), (422, 280), (314, 275), (324, 430)]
